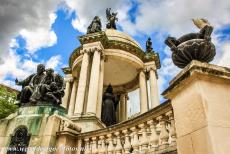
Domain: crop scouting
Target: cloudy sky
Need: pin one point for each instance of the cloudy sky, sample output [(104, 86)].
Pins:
[(45, 31)]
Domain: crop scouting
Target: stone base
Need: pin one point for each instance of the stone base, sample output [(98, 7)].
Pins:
[(88, 122), (42, 123), (200, 98)]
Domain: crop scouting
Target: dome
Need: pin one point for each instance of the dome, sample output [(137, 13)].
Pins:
[(115, 35)]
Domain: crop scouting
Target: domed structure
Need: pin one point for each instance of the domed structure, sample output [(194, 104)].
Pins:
[(121, 53), (106, 58)]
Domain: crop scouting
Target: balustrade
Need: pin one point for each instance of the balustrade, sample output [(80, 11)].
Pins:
[(151, 132)]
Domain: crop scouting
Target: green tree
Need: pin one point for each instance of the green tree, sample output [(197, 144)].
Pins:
[(7, 102)]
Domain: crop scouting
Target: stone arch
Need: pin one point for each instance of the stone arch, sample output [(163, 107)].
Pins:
[(19, 141)]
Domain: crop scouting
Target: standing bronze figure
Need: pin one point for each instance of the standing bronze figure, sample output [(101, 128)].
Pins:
[(111, 17), (149, 45), (108, 115)]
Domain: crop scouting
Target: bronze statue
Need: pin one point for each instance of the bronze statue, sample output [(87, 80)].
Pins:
[(109, 104), (49, 87), (30, 83), (95, 25), (111, 17), (149, 45)]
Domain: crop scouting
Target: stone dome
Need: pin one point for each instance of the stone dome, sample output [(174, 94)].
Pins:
[(115, 35)]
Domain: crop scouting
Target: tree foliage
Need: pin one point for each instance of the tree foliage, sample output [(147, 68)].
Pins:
[(7, 102)]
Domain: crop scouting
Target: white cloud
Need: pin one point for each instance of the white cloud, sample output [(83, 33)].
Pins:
[(224, 60), (86, 9), (17, 66), (53, 62), (32, 18), (38, 39), (41, 36), (174, 16)]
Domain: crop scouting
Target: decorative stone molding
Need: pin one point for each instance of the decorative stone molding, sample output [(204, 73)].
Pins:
[(197, 67), (69, 126), (94, 37), (113, 44)]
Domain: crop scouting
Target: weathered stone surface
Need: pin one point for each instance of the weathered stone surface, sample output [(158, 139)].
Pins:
[(200, 99)]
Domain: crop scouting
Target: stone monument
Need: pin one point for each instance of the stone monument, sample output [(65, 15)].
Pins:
[(39, 116)]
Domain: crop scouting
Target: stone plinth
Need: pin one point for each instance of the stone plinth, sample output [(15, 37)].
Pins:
[(200, 98), (88, 122), (42, 122)]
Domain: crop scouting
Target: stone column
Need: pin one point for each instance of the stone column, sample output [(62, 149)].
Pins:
[(143, 92), (65, 100), (82, 84), (100, 88), (122, 108), (72, 98), (94, 82), (154, 96)]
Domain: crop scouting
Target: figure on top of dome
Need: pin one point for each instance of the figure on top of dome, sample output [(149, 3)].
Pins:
[(111, 17), (95, 25)]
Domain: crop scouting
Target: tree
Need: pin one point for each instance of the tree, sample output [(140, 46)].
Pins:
[(7, 102)]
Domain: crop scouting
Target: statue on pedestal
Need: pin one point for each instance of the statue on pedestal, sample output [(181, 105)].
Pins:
[(149, 45), (95, 25), (45, 86), (111, 17), (109, 104)]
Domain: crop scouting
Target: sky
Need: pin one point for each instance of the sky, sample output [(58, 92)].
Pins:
[(46, 31)]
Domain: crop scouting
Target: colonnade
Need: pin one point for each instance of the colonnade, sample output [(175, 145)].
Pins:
[(83, 95)]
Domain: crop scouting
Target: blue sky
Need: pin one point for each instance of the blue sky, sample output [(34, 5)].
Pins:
[(46, 31)]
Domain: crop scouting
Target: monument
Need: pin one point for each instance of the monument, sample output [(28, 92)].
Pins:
[(86, 112)]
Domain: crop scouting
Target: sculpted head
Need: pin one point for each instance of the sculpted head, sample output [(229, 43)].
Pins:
[(50, 71), (109, 89), (40, 68)]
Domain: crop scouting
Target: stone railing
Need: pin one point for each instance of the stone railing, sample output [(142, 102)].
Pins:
[(151, 132)]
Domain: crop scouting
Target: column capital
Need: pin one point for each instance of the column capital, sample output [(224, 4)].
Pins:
[(169, 113), (68, 78), (92, 47), (150, 66)]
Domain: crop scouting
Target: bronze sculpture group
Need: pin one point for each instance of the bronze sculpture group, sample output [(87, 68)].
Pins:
[(42, 87)]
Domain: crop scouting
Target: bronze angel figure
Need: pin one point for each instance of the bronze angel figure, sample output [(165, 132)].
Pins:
[(111, 17)]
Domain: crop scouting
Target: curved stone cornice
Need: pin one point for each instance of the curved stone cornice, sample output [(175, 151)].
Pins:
[(132, 85), (114, 44), (94, 37)]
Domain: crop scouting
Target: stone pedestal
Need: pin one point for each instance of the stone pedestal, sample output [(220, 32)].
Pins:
[(88, 123), (201, 102), (42, 122)]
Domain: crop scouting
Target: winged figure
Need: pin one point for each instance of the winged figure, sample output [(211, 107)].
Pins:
[(111, 19)]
